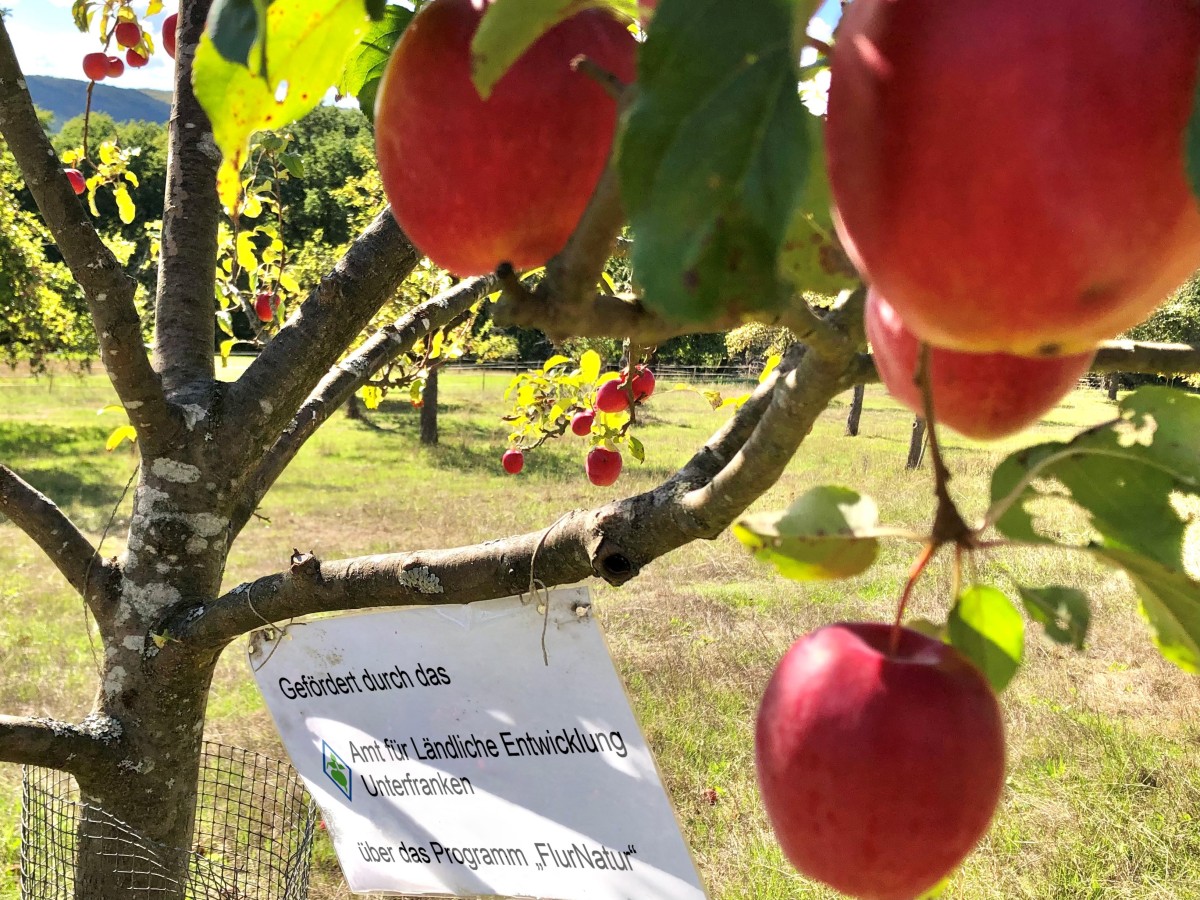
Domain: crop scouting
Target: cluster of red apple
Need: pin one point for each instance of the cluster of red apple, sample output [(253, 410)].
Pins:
[(1002, 223), (603, 463), (129, 35), (979, 191)]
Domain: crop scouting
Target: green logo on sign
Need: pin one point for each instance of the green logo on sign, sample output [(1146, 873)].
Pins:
[(339, 773)]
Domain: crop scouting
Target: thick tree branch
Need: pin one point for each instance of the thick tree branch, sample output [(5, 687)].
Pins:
[(184, 322), (612, 542), (1147, 358), (108, 289), (270, 392), (347, 377), (38, 516), (34, 741)]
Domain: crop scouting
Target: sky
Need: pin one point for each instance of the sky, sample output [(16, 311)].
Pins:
[(48, 43)]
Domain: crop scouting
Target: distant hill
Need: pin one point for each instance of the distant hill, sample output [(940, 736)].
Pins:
[(67, 98)]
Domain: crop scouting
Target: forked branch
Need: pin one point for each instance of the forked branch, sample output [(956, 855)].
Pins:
[(50, 528)]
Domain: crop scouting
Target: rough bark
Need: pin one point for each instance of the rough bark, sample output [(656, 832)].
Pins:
[(916, 444)]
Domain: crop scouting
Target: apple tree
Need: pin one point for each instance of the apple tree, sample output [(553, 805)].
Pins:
[(1016, 224)]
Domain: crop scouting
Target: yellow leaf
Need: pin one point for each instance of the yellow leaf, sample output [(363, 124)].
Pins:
[(307, 45), (556, 360), (125, 208), (772, 362), (289, 283), (226, 346), (245, 252), (124, 433), (112, 407), (589, 365), (154, 8), (371, 396)]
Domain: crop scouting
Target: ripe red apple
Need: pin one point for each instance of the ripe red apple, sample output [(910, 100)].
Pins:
[(981, 395), (116, 68), (603, 466), (612, 397), (581, 422), (879, 771), (978, 177), (478, 182), (265, 306), (169, 26), (513, 461), (128, 34), (95, 66), (643, 382), (78, 182), (135, 59)]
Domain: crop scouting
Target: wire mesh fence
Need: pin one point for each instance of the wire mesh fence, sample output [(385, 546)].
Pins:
[(252, 838)]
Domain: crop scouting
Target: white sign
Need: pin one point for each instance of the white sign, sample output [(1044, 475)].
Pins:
[(450, 759)]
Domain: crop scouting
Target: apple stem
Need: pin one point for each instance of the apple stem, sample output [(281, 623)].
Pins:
[(613, 86), (949, 527), (913, 575)]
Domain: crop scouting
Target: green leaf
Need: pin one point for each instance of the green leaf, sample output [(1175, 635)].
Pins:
[(986, 628), (713, 157), (294, 164), (233, 26), (307, 45), (636, 450), (1123, 473), (507, 30), (368, 60), (1170, 604), (1062, 611), (812, 258), (829, 532)]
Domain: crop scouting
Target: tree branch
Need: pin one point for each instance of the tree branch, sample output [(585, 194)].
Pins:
[(612, 542), (107, 288), (82, 748), (269, 393), (347, 377), (38, 516), (184, 322)]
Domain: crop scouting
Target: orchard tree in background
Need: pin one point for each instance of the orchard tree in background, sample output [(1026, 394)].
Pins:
[(719, 171)]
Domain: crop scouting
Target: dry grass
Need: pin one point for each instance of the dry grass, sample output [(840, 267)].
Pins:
[(1103, 783)]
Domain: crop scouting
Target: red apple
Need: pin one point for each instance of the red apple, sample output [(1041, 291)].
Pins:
[(128, 34), (95, 66), (513, 460), (78, 182), (478, 182), (612, 397), (603, 466), (978, 177), (643, 382), (981, 395), (265, 306), (135, 59), (169, 26), (581, 422), (116, 68), (879, 771)]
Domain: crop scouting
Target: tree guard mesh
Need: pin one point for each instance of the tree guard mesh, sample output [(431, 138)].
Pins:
[(252, 839)]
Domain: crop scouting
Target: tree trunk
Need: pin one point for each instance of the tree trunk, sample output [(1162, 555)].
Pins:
[(1111, 382), (855, 414), (354, 410), (916, 444), (429, 410)]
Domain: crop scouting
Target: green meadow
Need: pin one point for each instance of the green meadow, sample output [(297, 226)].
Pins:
[(1103, 792)]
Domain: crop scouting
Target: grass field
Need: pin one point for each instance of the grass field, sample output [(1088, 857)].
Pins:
[(1103, 793)]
